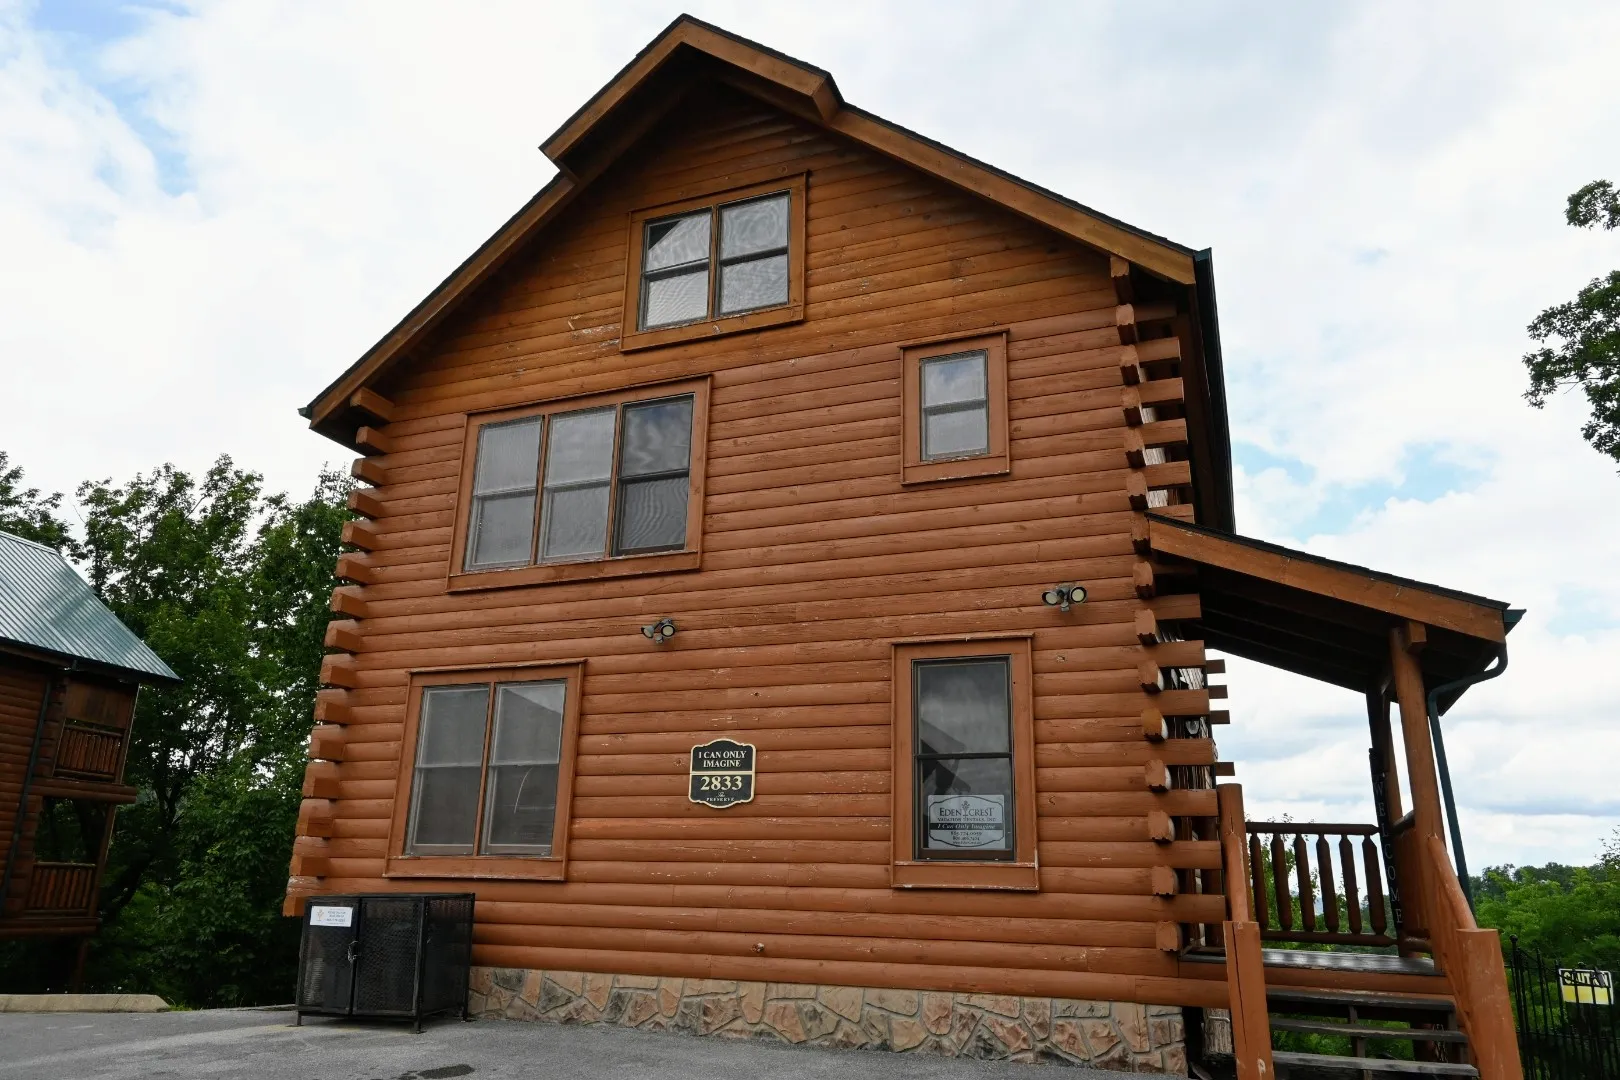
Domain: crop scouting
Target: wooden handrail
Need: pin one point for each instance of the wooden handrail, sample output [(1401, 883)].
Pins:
[(1471, 959), (1311, 828), (1245, 968), (1229, 805)]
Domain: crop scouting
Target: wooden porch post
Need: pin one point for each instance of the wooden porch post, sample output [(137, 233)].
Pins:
[(1404, 644), (1384, 743)]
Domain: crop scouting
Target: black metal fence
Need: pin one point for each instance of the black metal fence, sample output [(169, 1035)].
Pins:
[(1561, 1039)]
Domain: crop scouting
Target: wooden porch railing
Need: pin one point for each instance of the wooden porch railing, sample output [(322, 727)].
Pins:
[(1341, 920), (1245, 967), (60, 888), (1471, 959), (89, 752)]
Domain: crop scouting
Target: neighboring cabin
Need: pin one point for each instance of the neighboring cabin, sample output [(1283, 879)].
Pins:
[(69, 675), (769, 421)]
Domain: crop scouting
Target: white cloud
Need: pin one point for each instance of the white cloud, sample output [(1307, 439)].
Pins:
[(207, 220)]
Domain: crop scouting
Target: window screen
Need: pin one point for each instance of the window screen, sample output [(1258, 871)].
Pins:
[(501, 527), (964, 768), (449, 769), (955, 406), (675, 270), (524, 756), (653, 476)]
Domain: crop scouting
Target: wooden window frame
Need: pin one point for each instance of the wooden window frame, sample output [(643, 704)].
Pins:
[(996, 461), (606, 565), (632, 339), (553, 867), (906, 871)]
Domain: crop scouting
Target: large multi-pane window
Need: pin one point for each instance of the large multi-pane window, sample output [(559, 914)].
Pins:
[(567, 485), (488, 766), (726, 262)]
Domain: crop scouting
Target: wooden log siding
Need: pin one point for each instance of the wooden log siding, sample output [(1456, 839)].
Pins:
[(21, 691), (815, 559)]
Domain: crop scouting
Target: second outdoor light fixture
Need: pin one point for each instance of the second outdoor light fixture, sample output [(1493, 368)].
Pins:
[(1064, 595), (660, 631)]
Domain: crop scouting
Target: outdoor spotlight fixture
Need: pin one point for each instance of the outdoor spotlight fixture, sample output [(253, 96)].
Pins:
[(1064, 595), (660, 631)]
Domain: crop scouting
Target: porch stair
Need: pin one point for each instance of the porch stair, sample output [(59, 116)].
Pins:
[(1345, 1013)]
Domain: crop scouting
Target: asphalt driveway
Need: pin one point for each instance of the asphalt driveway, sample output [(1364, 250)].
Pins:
[(264, 1044)]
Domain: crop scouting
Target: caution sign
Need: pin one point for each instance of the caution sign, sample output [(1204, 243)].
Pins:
[(1585, 986), (722, 773)]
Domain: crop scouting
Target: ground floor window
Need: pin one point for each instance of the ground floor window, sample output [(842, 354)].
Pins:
[(487, 771), (964, 810)]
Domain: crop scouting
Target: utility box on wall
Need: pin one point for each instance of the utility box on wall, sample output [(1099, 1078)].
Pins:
[(393, 955)]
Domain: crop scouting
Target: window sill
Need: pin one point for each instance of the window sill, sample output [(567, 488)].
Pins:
[(711, 328), (478, 867), (1022, 877), (619, 566), (955, 469)]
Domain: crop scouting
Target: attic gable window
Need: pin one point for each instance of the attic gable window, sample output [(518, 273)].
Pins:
[(593, 487), (716, 264)]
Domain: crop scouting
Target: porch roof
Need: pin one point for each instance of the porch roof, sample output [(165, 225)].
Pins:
[(1325, 619)]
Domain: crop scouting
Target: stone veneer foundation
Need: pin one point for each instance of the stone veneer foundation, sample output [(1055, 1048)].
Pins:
[(1101, 1034)]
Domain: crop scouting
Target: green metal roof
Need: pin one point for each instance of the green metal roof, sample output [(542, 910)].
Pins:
[(46, 605)]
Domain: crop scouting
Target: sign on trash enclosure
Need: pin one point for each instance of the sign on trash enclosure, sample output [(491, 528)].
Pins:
[(722, 773), (327, 915), (967, 821)]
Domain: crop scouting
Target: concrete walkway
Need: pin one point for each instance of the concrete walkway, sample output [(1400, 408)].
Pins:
[(265, 1045)]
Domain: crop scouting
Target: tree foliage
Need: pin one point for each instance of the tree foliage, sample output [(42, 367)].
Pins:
[(1584, 333), (28, 513), (230, 587), (1570, 913)]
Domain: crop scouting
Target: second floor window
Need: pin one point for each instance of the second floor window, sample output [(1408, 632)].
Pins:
[(718, 261), (570, 485)]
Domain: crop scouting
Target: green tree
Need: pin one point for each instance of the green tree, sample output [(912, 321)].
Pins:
[(1570, 913), (231, 588), (28, 513), (1585, 332)]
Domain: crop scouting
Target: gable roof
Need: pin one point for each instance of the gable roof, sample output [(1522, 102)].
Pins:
[(645, 90), (46, 607)]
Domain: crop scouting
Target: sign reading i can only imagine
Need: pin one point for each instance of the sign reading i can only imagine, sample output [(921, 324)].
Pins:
[(722, 773)]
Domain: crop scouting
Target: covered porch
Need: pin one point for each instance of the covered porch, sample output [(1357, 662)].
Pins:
[(1333, 925)]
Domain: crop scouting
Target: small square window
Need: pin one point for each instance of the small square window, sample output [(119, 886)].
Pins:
[(955, 401)]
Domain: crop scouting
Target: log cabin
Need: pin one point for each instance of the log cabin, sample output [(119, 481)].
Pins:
[(69, 675), (783, 590)]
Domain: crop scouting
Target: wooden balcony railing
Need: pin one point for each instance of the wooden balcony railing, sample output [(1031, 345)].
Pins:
[(89, 753), (60, 888), (1295, 878)]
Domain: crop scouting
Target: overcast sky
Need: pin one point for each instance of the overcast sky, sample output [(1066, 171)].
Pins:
[(207, 212)]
